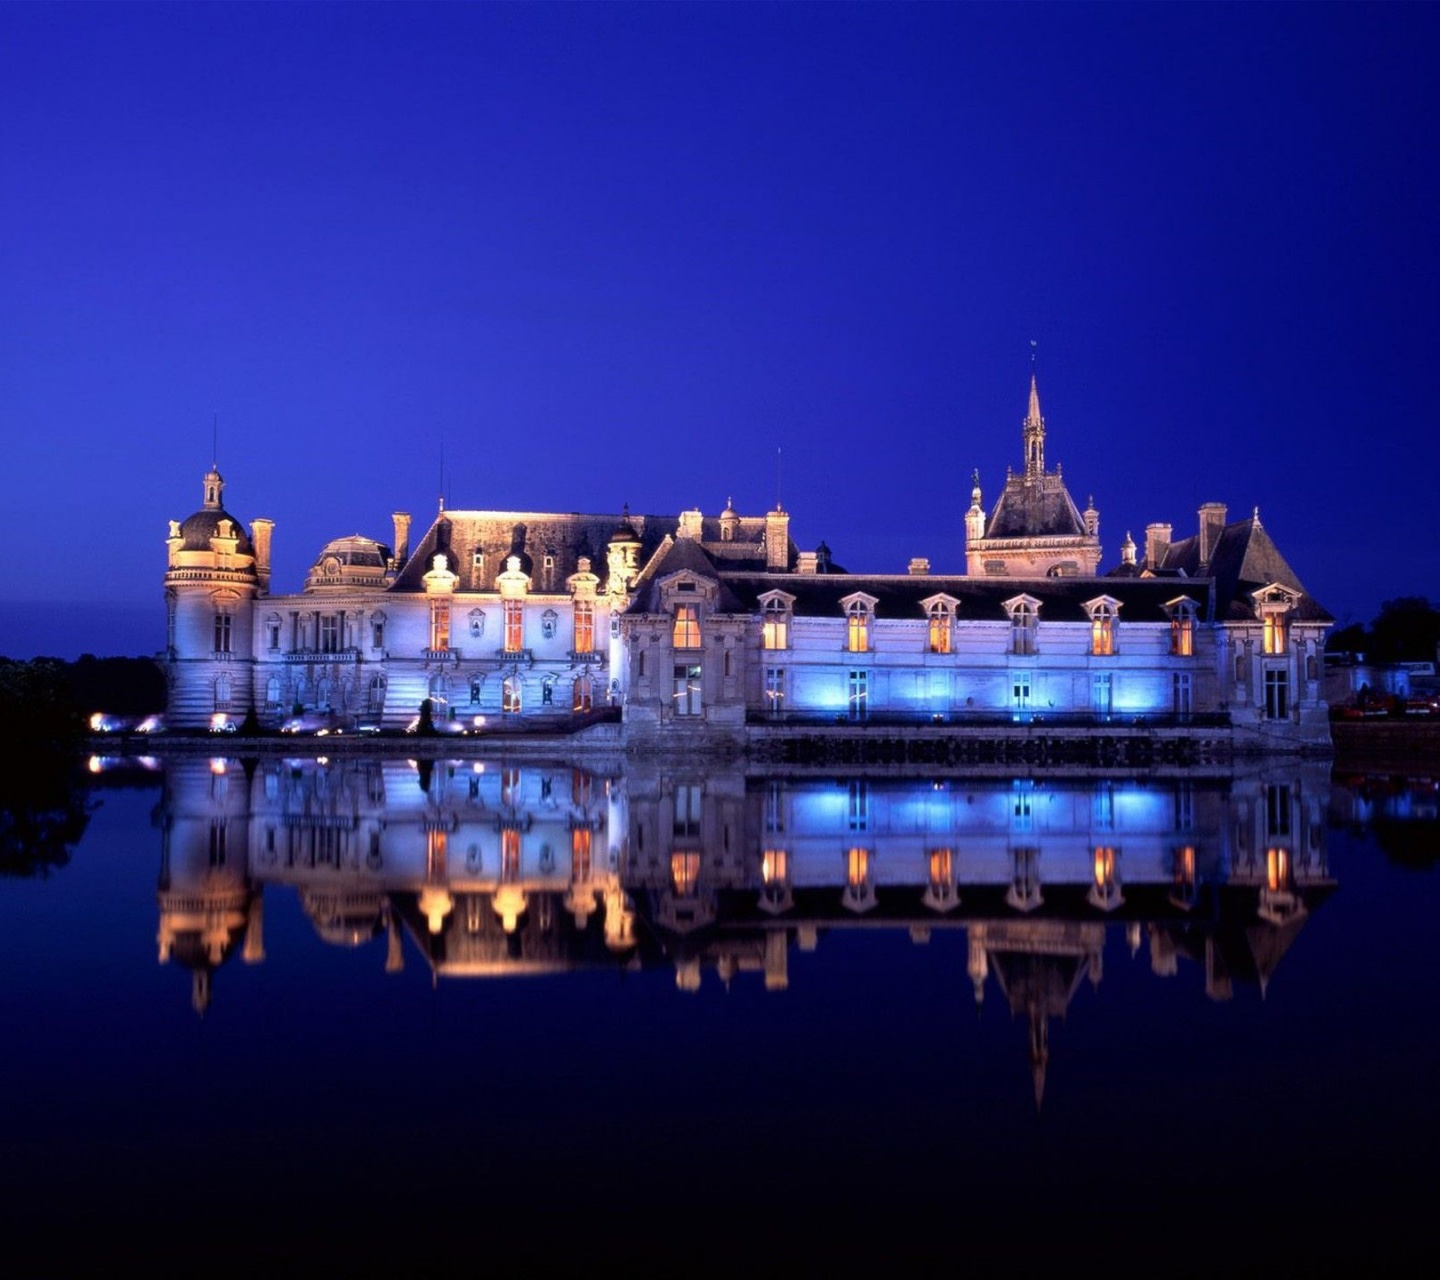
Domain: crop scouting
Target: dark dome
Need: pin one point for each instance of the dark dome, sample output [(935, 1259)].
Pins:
[(197, 530)]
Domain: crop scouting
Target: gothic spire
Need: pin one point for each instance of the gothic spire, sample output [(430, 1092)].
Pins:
[(1034, 434)]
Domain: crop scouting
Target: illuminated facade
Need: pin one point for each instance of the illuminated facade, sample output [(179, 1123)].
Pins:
[(717, 630)]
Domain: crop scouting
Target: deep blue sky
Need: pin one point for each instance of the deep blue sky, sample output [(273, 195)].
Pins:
[(566, 257)]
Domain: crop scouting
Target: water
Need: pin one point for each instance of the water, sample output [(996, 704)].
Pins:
[(668, 1061)]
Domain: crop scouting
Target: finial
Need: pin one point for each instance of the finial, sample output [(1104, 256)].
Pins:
[(1256, 516)]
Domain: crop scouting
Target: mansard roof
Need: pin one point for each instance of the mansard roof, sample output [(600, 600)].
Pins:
[(567, 537), (979, 599), (1243, 560)]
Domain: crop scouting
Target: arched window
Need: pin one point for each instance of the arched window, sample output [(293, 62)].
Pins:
[(1182, 629), (1024, 624), (1102, 629), (940, 630)]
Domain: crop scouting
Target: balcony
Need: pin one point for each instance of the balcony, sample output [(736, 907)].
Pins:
[(588, 657), (319, 655)]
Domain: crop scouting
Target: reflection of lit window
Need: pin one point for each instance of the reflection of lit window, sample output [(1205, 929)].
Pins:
[(858, 805), (940, 869), (1105, 892), (1277, 868), (582, 786), (509, 786), (1183, 873), (857, 867), (686, 631), (775, 627), (687, 810), (684, 871), (774, 866), (510, 854), (580, 839)]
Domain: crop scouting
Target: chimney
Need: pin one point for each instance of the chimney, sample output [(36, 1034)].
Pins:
[(919, 565), (402, 538), (691, 524), (260, 530), (1157, 543), (1212, 521), (777, 540)]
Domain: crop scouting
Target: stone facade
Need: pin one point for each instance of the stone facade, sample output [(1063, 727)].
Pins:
[(713, 631)]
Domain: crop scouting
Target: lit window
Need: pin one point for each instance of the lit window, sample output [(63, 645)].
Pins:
[(940, 619), (857, 627), (686, 689), (775, 627), (510, 696), (1102, 630), (440, 624), (584, 627), (1182, 630), (514, 626), (1276, 630), (686, 632)]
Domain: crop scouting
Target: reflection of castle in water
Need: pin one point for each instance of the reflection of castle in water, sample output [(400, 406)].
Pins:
[(495, 868)]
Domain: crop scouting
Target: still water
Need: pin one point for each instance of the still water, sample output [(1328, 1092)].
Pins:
[(594, 1016)]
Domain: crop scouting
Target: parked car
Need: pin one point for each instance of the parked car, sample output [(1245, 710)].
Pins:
[(223, 722), (318, 723)]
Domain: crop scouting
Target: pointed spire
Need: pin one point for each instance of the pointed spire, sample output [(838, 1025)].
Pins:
[(1034, 434)]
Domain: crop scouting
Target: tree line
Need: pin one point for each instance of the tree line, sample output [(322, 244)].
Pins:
[(1406, 629)]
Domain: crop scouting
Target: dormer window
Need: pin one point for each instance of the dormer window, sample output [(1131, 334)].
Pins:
[(940, 612), (685, 634), (859, 613), (1276, 628), (1024, 624), (1275, 604), (1104, 614), (775, 624), (1182, 627)]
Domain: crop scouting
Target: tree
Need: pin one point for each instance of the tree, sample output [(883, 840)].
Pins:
[(1407, 629)]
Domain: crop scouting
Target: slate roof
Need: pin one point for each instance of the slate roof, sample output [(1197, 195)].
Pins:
[(1038, 508), (1243, 560)]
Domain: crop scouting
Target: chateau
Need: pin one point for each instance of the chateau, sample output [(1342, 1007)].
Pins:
[(718, 631)]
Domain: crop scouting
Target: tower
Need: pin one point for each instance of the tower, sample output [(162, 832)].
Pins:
[(211, 580)]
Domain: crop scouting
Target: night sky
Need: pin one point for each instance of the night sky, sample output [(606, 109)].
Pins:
[(570, 257)]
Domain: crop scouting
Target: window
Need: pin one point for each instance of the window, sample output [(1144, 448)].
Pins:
[(377, 633), (686, 632), (774, 691), (581, 695), (329, 633), (547, 571), (1024, 622), (859, 695), (510, 696), (222, 630), (1182, 630), (857, 805), (1182, 699), (1277, 695), (440, 624), (272, 635), (1100, 694), (1102, 630), (940, 619), (376, 695), (775, 625), (580, 841), (1276, 631), (1020, 691), (584, 627), (514, 626), (686, 693), (272, 693), (477, 566), (857, 627)]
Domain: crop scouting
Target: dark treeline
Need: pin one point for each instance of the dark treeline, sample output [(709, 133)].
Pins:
[(1406, 629)]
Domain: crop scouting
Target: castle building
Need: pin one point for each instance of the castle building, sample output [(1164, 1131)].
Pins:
[(717, 630)]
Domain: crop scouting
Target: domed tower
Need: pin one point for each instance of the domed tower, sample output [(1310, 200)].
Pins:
[(212, 577), (622, 556)]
